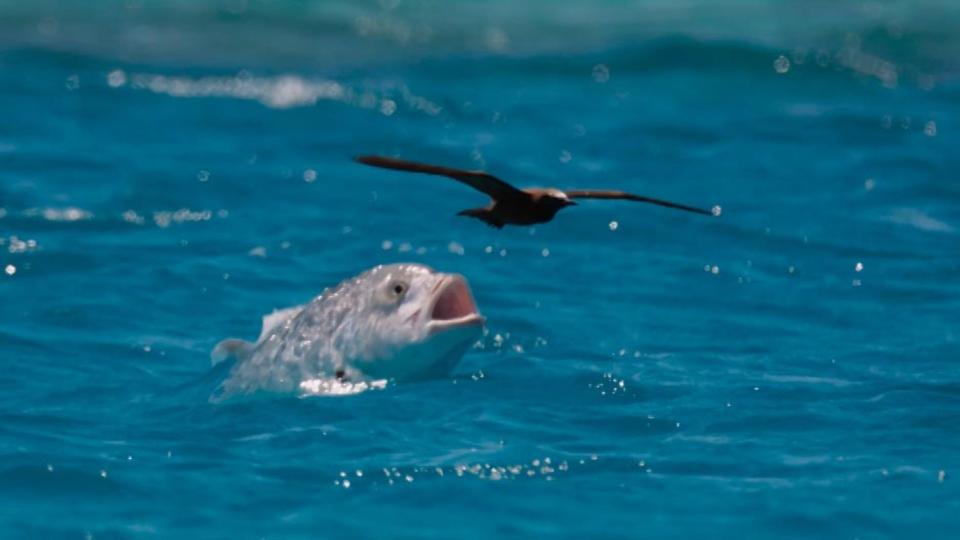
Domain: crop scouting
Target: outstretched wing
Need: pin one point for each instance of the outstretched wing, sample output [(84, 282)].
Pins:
[(609, 194), (478, 180)]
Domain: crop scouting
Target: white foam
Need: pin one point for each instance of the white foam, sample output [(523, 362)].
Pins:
[(283, 91), (336, 387), (920, 220), (59, 214)]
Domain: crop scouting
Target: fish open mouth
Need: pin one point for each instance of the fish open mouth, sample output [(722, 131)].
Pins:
[(454, 305)]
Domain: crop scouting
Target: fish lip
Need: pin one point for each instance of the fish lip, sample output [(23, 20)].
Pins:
[(436, 327), (454, 285)]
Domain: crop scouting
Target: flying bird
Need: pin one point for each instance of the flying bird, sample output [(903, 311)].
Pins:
[(513, 206)]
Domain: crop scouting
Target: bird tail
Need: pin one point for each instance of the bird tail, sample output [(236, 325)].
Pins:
[(483, 215)]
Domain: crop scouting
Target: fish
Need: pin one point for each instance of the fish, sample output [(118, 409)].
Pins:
[(397, 322)]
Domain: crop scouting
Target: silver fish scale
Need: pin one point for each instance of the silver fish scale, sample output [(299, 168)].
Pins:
[(317, 342)]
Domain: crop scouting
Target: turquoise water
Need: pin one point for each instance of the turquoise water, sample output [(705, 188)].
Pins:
[(173, 170)]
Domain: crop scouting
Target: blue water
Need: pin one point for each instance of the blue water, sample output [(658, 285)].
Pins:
[(170, 171)]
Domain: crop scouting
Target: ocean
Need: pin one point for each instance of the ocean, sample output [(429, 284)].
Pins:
[(170, 171)]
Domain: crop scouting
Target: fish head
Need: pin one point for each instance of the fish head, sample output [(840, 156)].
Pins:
[(417, 322)]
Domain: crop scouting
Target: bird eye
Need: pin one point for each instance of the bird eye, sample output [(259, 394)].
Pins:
[(399, 288)]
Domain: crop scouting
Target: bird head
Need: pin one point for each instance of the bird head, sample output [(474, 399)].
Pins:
[(559, 198)]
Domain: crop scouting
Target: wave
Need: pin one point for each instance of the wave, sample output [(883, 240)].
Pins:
[(879, 42)]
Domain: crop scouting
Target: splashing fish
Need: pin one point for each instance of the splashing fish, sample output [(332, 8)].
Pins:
[(398, 321)]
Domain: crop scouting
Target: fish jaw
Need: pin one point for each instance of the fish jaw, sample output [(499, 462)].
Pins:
[(453, 307)]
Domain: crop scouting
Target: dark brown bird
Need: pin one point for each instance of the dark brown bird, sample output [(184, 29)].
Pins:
[(512, 206)]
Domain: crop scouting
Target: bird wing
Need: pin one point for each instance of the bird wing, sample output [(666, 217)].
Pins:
[(478, 180), (610, 194)]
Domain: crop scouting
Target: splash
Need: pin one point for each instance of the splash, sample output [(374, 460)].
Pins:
[(335, 387)]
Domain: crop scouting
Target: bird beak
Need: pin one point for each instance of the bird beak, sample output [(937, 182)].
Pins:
[(569, 202)]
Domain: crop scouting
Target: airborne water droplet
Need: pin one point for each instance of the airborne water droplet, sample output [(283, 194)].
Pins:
[(781, 64), (116, 78), (601, 73)]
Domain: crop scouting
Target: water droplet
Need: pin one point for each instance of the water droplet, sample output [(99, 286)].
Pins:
[(346, 484), (116, 78), (10, 269), (73, 82), (869, 184), (716, 210), (781, 64), (941, 475), (386, 245), (103, 473), (545, 252), (601, 73), (203, 176), (930, 129), (309, 175), (565, 156), (613, 225), (388, 107), (858, 267), (715, 269), (455, 248)]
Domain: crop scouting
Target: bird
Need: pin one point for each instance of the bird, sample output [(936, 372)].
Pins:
[(514, 206)]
